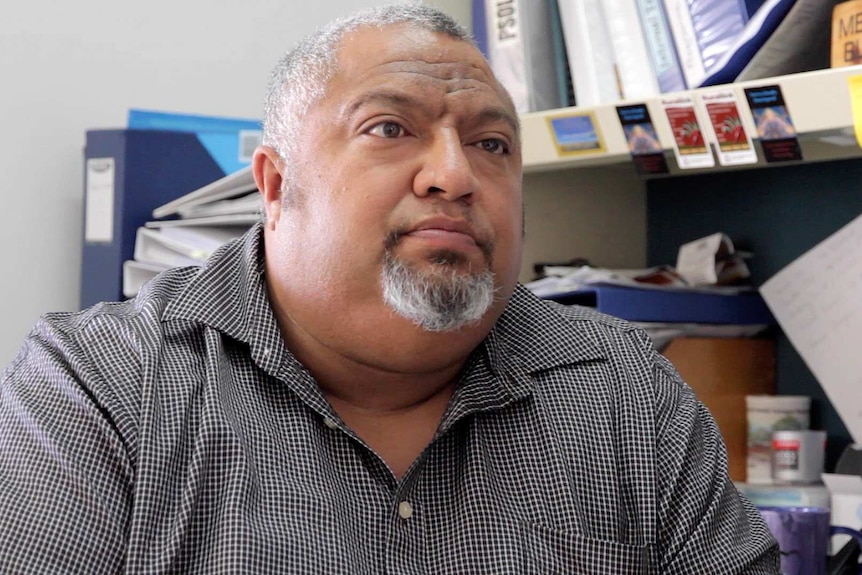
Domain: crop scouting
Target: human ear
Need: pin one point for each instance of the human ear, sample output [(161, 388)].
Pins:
[(265, 168)]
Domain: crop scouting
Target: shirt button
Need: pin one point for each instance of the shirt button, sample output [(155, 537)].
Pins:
[(328, 422), (405, 510)]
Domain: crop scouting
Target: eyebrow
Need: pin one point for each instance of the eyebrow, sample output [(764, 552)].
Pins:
[(489, 114), (389, 98), (493, 114)]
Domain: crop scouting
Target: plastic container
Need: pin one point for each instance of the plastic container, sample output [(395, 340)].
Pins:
[(765, 415)]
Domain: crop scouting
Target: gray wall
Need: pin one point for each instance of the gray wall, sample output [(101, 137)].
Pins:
[(66, 67)]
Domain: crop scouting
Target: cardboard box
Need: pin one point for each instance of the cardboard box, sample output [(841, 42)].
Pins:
[(722, 371)]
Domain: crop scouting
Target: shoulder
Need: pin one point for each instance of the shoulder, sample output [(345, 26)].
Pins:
[(105, 342), (576, 350), (119, 324), (569, 333)]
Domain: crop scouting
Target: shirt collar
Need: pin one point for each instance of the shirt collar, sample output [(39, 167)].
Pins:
[(229, 295), (537, 337)]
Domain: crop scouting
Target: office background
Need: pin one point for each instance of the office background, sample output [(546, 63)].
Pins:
[(69, 67)]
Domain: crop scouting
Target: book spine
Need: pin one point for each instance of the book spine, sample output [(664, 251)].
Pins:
[(685, 40), (565, 85), (480, 26), (662, 50), (590, 52), (631, 52), (507, 51), (521, 43)]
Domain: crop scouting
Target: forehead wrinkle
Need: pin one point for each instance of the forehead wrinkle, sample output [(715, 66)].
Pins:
[(382, 96), (440, 70)]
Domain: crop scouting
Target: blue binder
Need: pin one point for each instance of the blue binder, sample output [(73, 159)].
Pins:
[(673, 306), (151, 167)]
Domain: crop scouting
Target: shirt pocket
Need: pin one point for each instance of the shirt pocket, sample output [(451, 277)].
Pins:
[(549, 551)]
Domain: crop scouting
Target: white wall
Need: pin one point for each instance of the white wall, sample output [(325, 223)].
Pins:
[(66, 67)]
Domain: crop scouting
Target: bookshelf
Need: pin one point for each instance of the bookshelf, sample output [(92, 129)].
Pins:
[(596, 206)]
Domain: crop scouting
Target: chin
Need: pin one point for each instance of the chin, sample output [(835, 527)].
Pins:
[(442, 297)]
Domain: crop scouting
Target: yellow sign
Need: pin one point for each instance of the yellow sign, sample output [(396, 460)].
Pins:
[(856, 105)]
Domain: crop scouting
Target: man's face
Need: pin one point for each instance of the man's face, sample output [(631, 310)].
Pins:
[(412, 157)]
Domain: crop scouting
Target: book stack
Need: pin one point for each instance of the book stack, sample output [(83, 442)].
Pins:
[(201, 222), (560, 53)]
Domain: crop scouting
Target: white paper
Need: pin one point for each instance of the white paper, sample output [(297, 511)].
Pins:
[(817, 300), (99, 214), (696, 260)]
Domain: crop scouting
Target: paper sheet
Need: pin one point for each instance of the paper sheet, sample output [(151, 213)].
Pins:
[(817, 300)]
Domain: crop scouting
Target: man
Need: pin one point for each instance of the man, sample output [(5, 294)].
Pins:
[(359, 385)]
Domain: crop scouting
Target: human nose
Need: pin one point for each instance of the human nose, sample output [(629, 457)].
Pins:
[(446, 170)]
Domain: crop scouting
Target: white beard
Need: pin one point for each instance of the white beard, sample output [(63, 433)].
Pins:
[(439, 299)]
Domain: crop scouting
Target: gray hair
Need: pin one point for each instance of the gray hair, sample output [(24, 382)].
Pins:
[(301, 77), (440, 299)]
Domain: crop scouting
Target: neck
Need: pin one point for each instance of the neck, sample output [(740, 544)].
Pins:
[(404, 374), (394, 405)]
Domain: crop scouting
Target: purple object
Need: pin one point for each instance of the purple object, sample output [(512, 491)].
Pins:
[(803, 535)]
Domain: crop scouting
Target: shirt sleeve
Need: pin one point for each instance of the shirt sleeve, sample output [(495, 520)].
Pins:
[(705, 525), (65, 473)]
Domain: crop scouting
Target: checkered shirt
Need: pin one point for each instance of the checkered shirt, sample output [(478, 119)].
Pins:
[(176, 433)]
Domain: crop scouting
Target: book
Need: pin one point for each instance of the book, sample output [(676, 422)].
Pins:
[(591, 52), (637, 77), (520, 49), (480, 26), (561, 58), (662, 50), (685, 40)]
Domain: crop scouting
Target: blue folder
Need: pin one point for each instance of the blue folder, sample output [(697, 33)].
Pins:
[(673, 306)]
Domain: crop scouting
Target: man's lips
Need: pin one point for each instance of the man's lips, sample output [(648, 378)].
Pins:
[(445, 232)]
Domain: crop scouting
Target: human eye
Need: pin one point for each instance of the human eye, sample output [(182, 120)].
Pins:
[(494, 146), (387, 129)]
